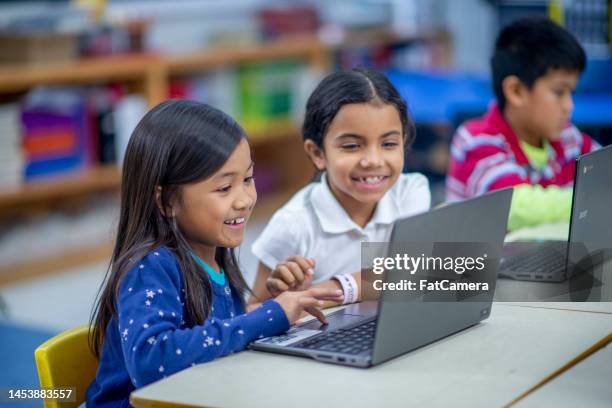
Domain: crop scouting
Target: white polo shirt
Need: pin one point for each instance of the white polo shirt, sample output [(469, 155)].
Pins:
[(314, 225)]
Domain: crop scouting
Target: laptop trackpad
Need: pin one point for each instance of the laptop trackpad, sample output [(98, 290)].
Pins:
[(337, 320)]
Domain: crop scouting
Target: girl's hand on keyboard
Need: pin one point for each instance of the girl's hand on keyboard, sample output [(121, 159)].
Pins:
[(293, 303)]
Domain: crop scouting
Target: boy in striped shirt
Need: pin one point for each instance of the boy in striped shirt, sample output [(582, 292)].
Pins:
[(525, 140)]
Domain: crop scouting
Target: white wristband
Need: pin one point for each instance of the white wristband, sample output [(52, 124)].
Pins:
[(349, 287)]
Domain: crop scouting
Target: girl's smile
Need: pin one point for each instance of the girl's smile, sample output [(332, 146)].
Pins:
[(370, 182), (236, 223), (214, 212), (363, 155)]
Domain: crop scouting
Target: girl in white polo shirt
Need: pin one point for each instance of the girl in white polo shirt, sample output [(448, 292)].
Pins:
[(355, 131)]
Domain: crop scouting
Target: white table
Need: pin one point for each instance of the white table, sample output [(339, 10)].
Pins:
[(586, 383), (487, 365)]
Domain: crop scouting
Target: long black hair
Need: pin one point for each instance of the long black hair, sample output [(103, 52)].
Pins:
[(177, 142), (358, 85)]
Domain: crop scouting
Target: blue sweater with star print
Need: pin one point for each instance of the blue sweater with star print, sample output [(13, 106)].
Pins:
[(149, 338)]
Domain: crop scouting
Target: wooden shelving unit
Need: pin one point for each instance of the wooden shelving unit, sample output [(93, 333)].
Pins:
[(137, 70), (95, 179), (150, 75), (303, 47), (116, 68), (92, 180)]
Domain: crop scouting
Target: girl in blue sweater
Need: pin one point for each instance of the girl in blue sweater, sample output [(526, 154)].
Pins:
[(174, 295)]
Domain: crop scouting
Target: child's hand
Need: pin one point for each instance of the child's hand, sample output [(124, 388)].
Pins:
[(295, 273), (293, 303)]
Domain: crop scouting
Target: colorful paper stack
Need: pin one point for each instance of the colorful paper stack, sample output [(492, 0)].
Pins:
[(57, 132)]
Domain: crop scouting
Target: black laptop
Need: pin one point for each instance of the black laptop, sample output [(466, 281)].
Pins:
[(590, 232), (371, 332)]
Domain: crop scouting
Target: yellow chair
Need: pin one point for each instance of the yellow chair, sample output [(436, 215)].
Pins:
[(66, 361)]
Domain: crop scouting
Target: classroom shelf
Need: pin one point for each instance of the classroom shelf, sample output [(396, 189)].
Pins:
[(99, 69), (302, 47), (101, 178), (91, 180), (152, 72), (150, 75)]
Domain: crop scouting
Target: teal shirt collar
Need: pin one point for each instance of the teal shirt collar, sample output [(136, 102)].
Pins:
[(217, 277)]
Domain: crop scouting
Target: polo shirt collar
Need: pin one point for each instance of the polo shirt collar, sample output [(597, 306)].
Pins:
[(334, 218), (495, 117)]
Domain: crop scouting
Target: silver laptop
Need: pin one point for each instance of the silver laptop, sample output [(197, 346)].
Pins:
[(371, 332), (590, 234)]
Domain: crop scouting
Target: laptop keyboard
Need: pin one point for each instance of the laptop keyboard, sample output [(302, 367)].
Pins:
[(546, 259), (355, 340)]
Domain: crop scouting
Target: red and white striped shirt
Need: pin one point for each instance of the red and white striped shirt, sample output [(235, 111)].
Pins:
[(486, 155)]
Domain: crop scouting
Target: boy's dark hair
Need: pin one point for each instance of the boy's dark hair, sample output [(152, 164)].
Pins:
[(176, 143), (359, 85), (529, 48)]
